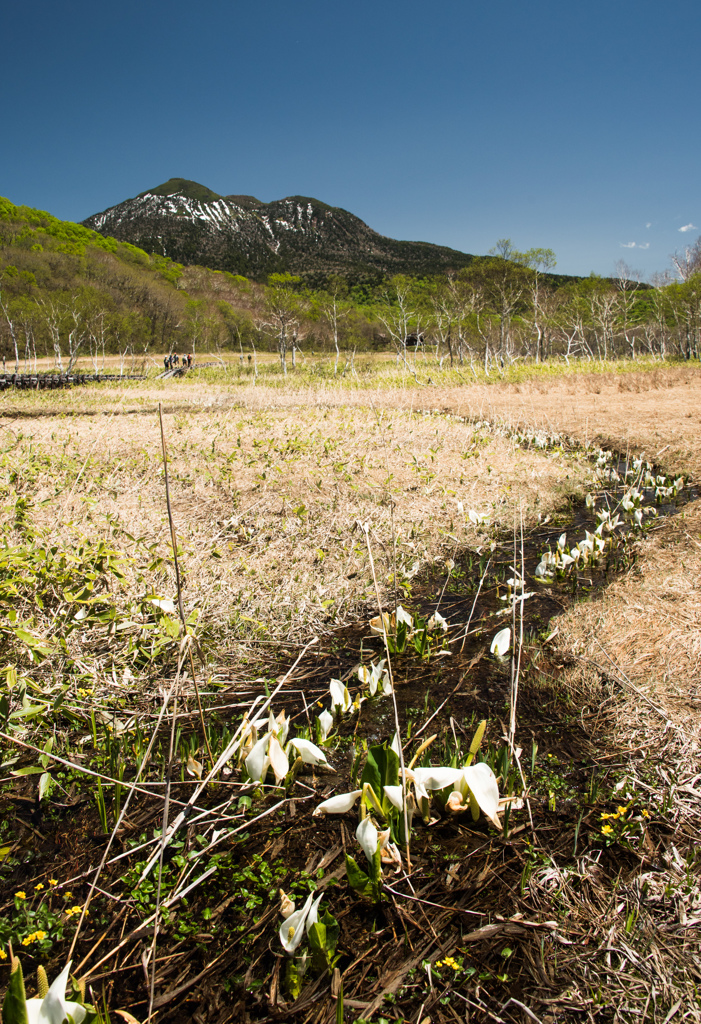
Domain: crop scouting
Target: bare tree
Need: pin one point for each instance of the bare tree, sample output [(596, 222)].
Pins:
[(283, 308), (687, 262), (12, 327), (334, 310)]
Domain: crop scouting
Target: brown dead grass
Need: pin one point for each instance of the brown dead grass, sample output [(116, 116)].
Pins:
[(269, 487), (262, 563)]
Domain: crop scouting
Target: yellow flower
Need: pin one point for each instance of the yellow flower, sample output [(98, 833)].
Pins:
[(67, 895), (28, 940), (646, 813), (39, 935), (39, 886), (3, 954), (21, 895), (606, 829), (76, 910), (53, 881)]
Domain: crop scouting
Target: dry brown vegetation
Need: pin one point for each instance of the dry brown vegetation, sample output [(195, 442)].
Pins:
[(269, 488)]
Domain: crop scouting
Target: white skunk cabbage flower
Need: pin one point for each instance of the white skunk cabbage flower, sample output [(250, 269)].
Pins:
[(278, 759), (368, 837), (279, 726), (375, 676), (432, 778), (501, 642), (164, 603), (395, 796), (309, 752), (438, 622), (258, 762), (376, 624), (325, 721), (403, 616), (478, 518), (340, 697), (638, 517), (54, 1008), (479, 782), (338, 804), (287, 906), (294, 927)]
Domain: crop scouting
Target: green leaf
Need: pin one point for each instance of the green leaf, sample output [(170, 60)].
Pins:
[(357, 879), (332, 932), (14, 1005), (46, 784), (293, 981), (371, 773)]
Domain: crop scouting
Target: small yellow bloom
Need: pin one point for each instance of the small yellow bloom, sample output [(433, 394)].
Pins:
[(53, 881), (606, 829), (21, 895), (3, 954), (646, 813), (76, 910), (67, 895), (39, 886), (39, 935), (28, 940)]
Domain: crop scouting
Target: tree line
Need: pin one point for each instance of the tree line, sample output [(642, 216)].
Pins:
[(66, 291)]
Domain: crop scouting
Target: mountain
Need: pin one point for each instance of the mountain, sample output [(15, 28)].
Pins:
[(191, 224)]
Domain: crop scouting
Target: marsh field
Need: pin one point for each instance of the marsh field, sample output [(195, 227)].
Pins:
[(161, 762)]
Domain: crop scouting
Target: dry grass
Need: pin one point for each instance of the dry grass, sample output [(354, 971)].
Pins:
[(269, 485)]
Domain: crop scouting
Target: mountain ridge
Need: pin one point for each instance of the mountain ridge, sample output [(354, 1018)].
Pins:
[(191, 224)]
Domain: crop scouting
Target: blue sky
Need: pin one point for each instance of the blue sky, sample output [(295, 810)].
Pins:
[(568, 126)]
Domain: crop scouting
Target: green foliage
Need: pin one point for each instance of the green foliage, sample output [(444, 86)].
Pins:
[(14, 1005)]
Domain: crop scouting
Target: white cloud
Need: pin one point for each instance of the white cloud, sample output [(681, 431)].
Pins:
[(644, 245), (635, 245), (627, 245), (649, 224), (689, 227)]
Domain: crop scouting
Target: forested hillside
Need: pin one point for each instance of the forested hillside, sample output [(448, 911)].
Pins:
[(66, 290)]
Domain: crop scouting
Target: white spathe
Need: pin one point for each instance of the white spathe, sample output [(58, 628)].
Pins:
[(501, 642), (367, 836), (338, 804), (54, 1008), (309, 752), (292, 928), (431, 778), (258, 761), (340, 697), (479, 782), (482, 783), (278, 759), (325, 721), (395, 796)]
